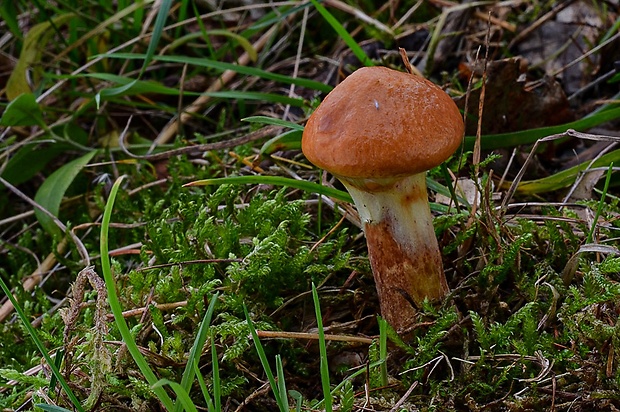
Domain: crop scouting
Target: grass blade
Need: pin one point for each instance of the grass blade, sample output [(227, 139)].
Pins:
[(23, 110), (282, 405), (274, 121), (60, 355), (115, 305), (327, 401), (298, 399), (204, 389), (162, 15), (276, 180), (497, 141), (132, 87), (280, 375), (241, 41), (194, 354), (181, 393), (343, 34), (31, 54), (290, 140), (217, 387), (305, 186), (223, 66), (565, 177)]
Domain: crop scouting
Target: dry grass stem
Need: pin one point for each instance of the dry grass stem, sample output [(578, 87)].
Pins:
[(312, 336)]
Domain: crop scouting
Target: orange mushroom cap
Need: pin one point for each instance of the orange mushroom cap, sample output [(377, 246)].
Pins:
[(381, 123)]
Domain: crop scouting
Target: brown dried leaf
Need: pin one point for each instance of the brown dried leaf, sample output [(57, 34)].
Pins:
[(512, 103)]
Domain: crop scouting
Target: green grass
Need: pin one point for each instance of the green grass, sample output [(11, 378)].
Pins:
[(192, 254)]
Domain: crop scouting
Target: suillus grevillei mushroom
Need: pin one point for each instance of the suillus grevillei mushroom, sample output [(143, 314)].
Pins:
[(378, 132)]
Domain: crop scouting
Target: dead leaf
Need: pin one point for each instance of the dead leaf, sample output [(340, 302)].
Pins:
[(513, 103)]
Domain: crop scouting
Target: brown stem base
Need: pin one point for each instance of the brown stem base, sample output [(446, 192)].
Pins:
[(402, 247), (403, 279)]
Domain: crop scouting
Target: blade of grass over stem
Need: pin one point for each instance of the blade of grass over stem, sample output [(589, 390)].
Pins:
[(42, 349), (262, 97), (203, 30), (343, 34), (182, 16), (160, 21), (360, 371), (115, 305), (282, 403), (305, 186), (60, 355), (276, 180), (324, 368), (274, 17)]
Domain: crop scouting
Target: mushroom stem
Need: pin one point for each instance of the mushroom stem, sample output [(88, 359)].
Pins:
[(402, 247)]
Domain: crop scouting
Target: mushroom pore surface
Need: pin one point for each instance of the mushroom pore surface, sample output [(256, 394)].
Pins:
[(381, 123)]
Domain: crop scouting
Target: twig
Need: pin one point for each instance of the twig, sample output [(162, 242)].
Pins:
[(263, 390), (160, 306), (587, 54), (332, 230), (433, 361), (311, 336), (404, 397)]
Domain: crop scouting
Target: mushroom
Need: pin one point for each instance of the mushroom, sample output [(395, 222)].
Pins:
[(378, 132)]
